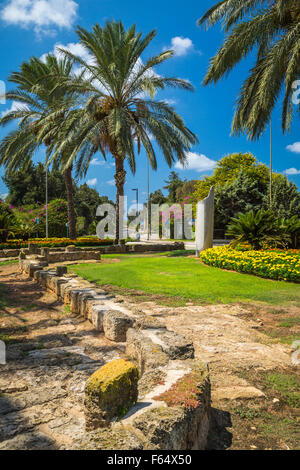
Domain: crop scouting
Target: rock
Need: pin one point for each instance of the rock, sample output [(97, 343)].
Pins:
[(117, 438), (173, 344), (110, 392), (29, 441), (147, 354), (233, 393), (115, 325), (61, 270), (97, 315)]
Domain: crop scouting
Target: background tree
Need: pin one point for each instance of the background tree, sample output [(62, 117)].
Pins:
[(173, 183), (285, 197), (272, 29), (41, 91), (227, 170), (241, 195), (28, 184)]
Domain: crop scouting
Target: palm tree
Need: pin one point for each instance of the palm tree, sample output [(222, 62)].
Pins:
[(39, 94), (120, 114), (272, 28)]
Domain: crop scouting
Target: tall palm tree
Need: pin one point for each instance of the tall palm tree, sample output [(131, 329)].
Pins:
[(272, 28), (120, 114), (39, 95)]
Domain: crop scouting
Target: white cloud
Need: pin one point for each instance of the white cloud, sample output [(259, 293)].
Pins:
[(15, 106), (40, 14), (3, 196), (74, 47), (292, 171), (181, 46), (197, 162), (97, 162), (295, 148), (111, 182), (92, 182)]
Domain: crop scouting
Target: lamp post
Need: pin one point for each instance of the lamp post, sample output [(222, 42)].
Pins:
[(137, 200), (148, 203), (271, 162), (47, 226)]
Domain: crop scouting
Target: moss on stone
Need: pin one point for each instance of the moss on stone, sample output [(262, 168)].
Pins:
[(110, 392)]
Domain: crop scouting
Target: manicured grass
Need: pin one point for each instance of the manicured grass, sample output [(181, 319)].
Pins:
[(188, 279)]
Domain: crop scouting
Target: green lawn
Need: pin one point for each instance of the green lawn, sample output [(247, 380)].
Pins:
[(187, 278)]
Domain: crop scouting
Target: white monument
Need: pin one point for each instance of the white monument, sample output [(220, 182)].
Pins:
[(204, 229)]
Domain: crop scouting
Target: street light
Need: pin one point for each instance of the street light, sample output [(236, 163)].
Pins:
[(271, 163), (47, 225), (137, 200)]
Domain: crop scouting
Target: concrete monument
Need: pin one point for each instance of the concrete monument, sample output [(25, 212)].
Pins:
[(205, 222)]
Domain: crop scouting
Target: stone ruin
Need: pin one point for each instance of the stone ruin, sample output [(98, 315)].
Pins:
[(157, 396)]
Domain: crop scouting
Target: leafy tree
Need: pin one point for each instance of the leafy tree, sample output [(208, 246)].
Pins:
[(57, 219), (186, 190), (28, 185), (118, 117), (173, 183), (227, 170), (86, 201), (241, 195), (157, 197), (41, 91), (285, 197), (271, 28)]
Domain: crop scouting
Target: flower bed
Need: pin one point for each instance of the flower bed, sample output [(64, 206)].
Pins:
[(273, 264), (56, 242)]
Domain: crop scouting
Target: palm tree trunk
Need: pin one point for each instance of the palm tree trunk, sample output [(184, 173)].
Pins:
[(120, 177), (71, 210)]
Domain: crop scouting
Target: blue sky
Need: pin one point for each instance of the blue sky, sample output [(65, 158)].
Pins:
[(35, 27)]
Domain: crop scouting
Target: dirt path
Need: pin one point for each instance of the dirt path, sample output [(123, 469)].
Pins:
[(50, 354)]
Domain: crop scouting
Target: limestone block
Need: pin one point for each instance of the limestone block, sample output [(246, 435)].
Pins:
[(173, 344), (115, 325), (97, 314), (147, 354), (184, 423), (110, 392)]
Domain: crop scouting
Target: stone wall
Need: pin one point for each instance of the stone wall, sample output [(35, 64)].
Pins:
[(129, 248), (173, 407)]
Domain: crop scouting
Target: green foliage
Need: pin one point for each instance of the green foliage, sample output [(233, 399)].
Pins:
[(262, 228), (255, 228), (285, 197), (8, 226), (27, 186), (57, 219), (241, 195), (173, 183), (271, 29)]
